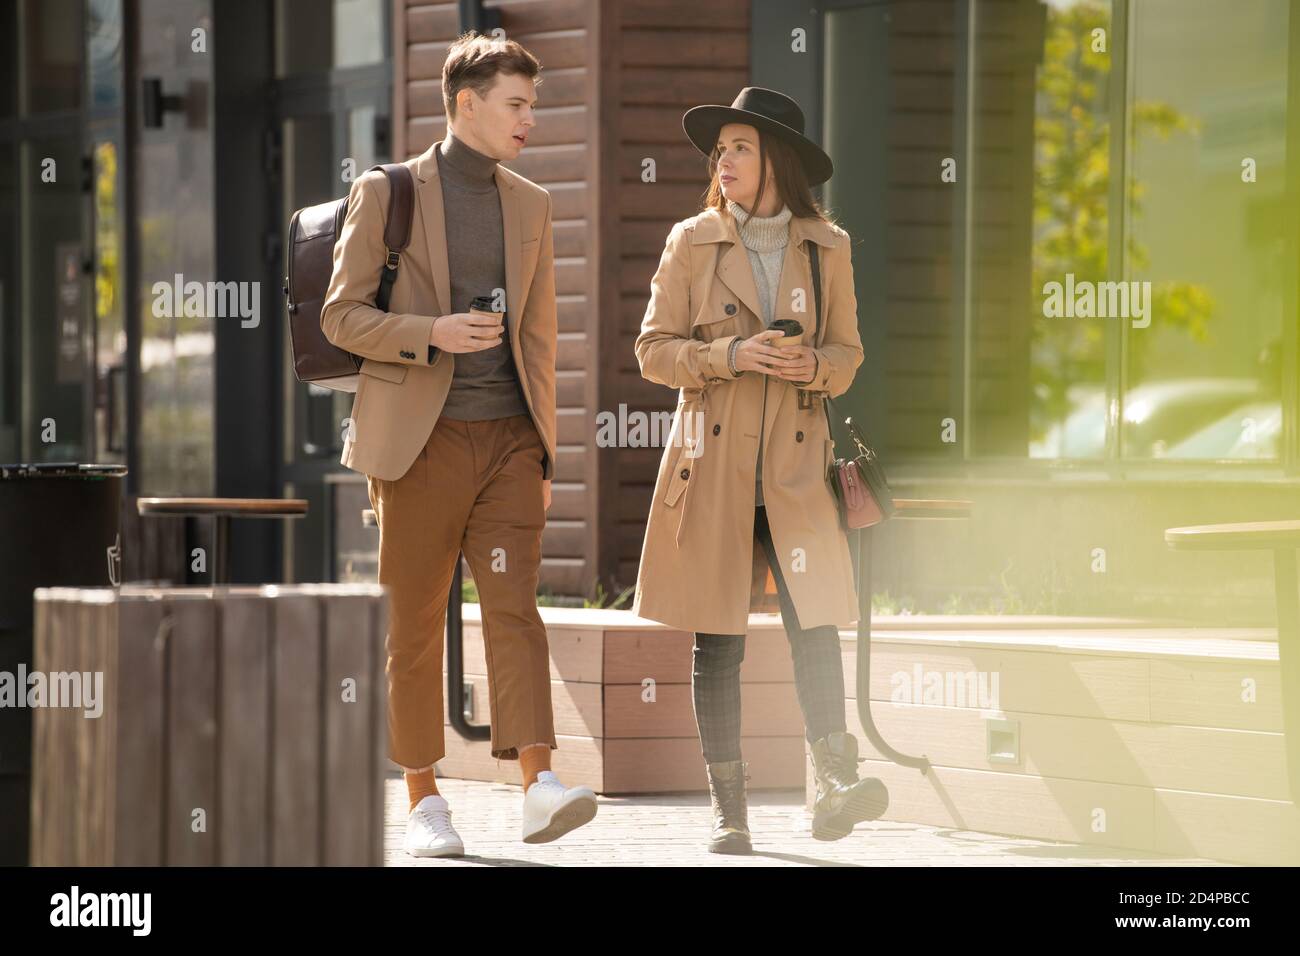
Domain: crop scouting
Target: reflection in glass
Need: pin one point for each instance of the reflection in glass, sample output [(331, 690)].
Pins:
[(887, 124), (110, 332), (104, 52), (358, 32), (10, 343), (51, 56), (1041, 140), (351, 33), (174, 195), (1206, 198), (8, 59), (55, 331)]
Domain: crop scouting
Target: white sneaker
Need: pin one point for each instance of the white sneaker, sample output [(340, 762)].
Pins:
[(551, 809), (429, 832)]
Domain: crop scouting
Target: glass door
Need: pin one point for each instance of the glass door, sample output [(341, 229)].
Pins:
[(333, 95)]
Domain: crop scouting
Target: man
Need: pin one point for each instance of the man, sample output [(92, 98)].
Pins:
[(453, 425)]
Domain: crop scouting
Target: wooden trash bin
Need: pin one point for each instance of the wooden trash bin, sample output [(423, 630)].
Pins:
[(239, 726)]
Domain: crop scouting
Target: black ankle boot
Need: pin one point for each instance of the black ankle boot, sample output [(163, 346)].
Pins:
[(842, 799), (727, 794)]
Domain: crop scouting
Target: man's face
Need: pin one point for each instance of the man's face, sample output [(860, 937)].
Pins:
[(498, 124)]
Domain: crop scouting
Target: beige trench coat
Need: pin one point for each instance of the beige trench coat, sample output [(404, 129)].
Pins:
[(699, 557)]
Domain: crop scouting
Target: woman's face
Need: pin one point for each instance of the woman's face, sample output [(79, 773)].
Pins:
[(738, 170)]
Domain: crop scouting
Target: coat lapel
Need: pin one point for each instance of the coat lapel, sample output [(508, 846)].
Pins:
[(734, 270), (737, 273), (435, 224), (510, 230)]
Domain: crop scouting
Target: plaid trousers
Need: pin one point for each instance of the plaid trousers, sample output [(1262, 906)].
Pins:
[(715, 674)]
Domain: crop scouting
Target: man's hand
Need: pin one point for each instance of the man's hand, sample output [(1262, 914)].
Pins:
[(465, 332), (546, 494)]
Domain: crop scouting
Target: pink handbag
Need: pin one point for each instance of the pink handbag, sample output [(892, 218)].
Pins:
[(861, 490)]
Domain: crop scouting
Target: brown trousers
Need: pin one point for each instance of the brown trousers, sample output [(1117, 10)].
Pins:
[(476, 488)]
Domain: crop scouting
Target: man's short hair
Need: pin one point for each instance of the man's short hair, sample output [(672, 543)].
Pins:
[(475, 59)]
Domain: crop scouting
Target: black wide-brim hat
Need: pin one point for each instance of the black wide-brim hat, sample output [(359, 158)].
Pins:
[(767, 111)]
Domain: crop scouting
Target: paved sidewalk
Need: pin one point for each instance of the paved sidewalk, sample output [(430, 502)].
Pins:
[(671, 830)]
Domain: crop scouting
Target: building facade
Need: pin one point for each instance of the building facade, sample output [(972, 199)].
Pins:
[(1075, 252)]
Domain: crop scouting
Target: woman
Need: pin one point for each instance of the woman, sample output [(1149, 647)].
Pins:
[(742, 482)]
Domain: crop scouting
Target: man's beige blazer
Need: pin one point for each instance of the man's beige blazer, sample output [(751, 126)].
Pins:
[(404, 381)]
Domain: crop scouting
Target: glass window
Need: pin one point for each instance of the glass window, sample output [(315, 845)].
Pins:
[(110, 330), (104, 53), (56, 330), (358, 32), (51, 56), (886, 193), (1040, 219), (352, 34), (10, 343), (1206, 199), (8, 60)]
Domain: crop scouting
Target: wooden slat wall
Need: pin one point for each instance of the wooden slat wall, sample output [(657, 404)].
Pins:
[(663, 57), (561, 159), (1010, 47), (920, 130)]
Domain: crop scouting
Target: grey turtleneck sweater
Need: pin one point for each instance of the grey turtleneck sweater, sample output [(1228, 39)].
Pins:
[(484, 384), (765, 239)]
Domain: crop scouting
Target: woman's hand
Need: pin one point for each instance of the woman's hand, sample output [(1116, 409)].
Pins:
[(802, 367), (793, 363), (754, 354)]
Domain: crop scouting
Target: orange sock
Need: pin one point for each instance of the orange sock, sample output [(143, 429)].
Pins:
[(533, 759), (419, 785)]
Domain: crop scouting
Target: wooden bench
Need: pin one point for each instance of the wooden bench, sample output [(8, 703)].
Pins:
[(1282, 538), (222, 510), (905, 508)]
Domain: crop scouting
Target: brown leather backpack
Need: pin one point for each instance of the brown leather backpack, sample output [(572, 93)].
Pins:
[(313, 231)]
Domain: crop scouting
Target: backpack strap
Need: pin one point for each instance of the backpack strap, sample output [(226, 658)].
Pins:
[(397, 226)]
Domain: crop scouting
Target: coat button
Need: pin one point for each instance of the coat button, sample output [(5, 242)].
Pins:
[(798, 436), (717, 429), (730, 308), (686, 473)]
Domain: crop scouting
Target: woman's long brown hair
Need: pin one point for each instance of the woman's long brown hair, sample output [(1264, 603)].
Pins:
[(787, 173)]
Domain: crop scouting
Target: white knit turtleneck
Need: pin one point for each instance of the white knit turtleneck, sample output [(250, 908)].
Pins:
[(765, 239)]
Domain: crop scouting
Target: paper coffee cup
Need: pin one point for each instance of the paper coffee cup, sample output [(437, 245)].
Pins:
[(792, 333)]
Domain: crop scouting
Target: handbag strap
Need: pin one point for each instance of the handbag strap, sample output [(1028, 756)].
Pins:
[(817, 321), (863, 593), (864, 447)]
